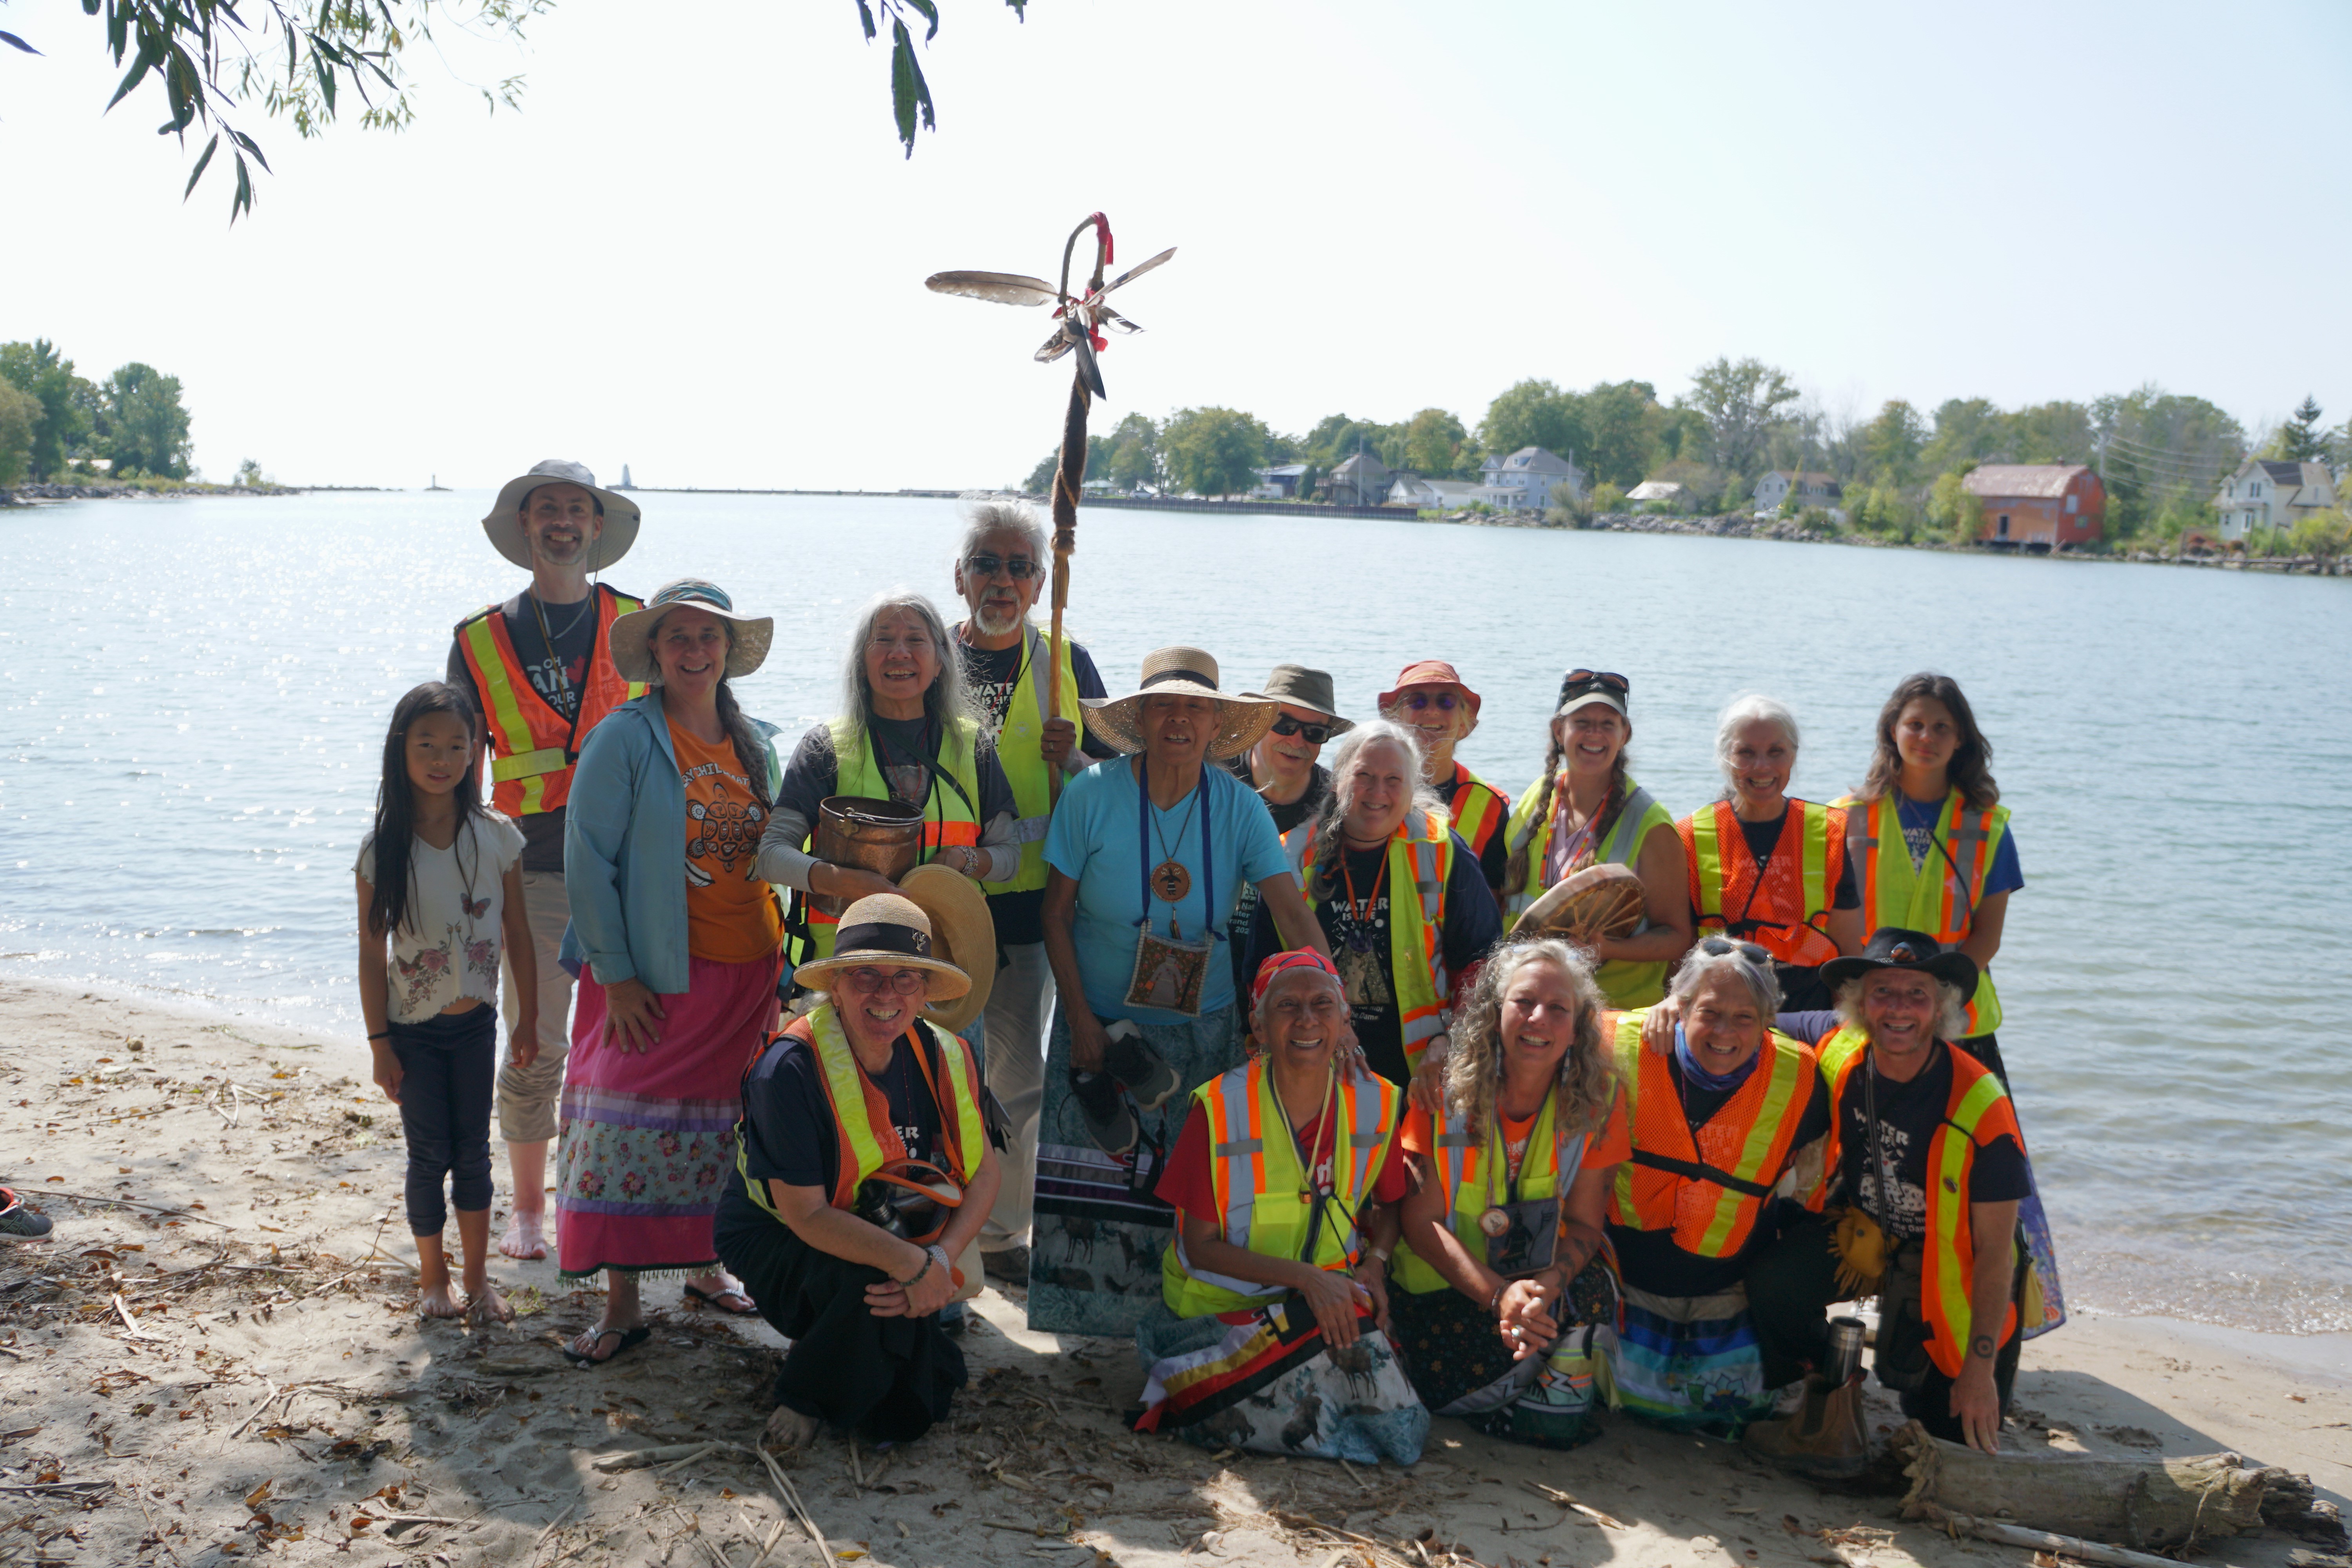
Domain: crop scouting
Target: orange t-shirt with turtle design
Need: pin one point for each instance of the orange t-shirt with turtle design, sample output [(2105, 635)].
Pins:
[(730, 914)]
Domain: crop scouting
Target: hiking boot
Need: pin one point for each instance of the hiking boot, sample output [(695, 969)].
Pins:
[(1146, 1074), (18, 1223), (1109, 1121), (954, 1319), (1824, 1439), (1009, 1265)]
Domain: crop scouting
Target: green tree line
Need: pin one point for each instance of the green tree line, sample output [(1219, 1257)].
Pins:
[(2161, 454), (54, 423)]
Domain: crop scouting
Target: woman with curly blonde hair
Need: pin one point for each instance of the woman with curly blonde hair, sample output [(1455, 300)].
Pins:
[(1497, 1288)]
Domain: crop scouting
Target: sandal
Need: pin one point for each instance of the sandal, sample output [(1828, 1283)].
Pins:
[(524, 1239), (716, 1300), (630, 1340)]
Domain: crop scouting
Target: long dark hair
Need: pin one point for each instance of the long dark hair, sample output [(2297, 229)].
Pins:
[(1514, 870), (395, 802), (1970, 769)]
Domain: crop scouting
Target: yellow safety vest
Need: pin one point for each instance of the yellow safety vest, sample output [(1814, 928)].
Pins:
[(950, 817), (1623, 984), (1940, 895), (1025, 768), (1264, 1191), (1423, 863), (1457, 1163)]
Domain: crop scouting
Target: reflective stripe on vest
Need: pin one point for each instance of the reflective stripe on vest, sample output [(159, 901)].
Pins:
[(858, 1151), (1797, 887), (1416, 958), (533, 747), (1262, 1190), (1623, 982), (1709, 1189), (949, 818), (1929, 896), (1025, 768), (1457, 1162), (1977, 1111), (1479, 809)]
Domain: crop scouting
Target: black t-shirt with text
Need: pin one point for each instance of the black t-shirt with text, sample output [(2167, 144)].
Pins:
[(1908, 1115), (991, 676), (789, 1134)]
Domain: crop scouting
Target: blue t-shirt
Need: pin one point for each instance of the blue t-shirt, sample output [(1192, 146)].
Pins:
[(1094, 841), (1920, 819)]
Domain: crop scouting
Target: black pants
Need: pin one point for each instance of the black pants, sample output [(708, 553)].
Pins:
[(885, 1379), (448, 1069), (1791, 1287)]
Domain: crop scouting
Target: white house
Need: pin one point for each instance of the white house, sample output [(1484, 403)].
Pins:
[(1523, 481), (1432, 495), (2264, 494), (1279, 482), (1665, 490), (1812, 489)]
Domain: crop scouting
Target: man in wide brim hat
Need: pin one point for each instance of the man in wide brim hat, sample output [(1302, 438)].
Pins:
[(1180, 671), (615, 527), (957, 943), (1299, 687), (632, 637), (1892, 948)]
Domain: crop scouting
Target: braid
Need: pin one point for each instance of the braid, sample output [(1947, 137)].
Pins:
[(1514, 870), (751, 748)]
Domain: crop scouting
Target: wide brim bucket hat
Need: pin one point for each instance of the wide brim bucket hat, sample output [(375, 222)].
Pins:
[(1303, 688), (503, 523), (633, 634), (936, 922), (1428, 672), (1117, 721)]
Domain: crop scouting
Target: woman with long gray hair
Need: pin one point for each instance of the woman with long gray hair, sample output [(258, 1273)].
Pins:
[(1400, 897), (903, 734), (1496, 1293)]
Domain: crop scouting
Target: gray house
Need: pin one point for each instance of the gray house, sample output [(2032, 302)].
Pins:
[(1523, 481), (1812, 489), (1362, 480)]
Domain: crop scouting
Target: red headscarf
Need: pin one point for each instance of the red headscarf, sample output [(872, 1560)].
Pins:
[(1296, 958)]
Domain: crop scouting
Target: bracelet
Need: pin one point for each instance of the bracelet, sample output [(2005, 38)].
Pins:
[(1495, 1301), (911, 1280), (380, 1035), (1382, 1255)]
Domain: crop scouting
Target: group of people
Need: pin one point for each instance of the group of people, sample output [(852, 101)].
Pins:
[(1353, 1088)]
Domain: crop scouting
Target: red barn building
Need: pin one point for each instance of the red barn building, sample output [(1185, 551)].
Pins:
[(2048, 505)]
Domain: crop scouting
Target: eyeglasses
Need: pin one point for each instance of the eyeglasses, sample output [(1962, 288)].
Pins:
[(1019, 568), (1283, 724), (1716, 946), (1577, 680), (1443, 701), (866, 982)]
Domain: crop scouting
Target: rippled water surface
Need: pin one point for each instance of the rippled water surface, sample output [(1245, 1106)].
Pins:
[(195, 693)]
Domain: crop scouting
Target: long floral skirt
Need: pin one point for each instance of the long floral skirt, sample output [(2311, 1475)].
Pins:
[(648, 1136)]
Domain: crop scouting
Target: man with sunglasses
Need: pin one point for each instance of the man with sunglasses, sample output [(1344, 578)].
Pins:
[(1285, 770), (1430, 699), (999, 571)]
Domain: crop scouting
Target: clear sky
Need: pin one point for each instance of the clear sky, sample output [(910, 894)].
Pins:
[(697, 248)]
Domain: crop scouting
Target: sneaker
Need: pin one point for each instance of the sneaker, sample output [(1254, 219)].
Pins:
[(1825, 1438), (1109, 1121), (1145, 1073), (1007, 1267), (18, 1223)]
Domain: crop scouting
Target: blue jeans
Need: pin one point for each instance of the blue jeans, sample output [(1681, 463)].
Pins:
[(448, 1065)]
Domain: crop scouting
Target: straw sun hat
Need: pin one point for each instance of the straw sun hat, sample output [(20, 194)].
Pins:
[(504, 522), (938, 922), (633, 634), (1117, 721)]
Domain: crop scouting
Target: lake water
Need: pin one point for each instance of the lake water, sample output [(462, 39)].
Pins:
[(196, 694)]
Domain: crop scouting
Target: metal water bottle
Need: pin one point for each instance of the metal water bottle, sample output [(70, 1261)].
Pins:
[(1845, 1349)]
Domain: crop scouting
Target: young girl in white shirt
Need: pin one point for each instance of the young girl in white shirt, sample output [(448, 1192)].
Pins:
[(440, 881)]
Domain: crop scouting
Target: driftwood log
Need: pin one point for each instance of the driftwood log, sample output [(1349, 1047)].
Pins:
[(2147, 1505)]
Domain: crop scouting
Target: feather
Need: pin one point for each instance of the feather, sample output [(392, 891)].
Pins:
[(1138, 270), (1054, 347), (1004, 288)]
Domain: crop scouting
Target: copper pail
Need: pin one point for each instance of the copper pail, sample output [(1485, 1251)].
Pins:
[(882, 836)]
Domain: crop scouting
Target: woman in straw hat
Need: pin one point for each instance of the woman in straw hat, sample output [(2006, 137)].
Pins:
[(863, 1169), (681, 942), (1145, 857)]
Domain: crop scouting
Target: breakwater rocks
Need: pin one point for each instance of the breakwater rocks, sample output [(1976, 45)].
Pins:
[(24, 494), (1731, 526)]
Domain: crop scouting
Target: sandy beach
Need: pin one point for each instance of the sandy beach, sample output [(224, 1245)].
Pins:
[(233, 1368)]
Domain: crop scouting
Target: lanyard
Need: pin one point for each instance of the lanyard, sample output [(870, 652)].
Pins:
[(1143, 856)]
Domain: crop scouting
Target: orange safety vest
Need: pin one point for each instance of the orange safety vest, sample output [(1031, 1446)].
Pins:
[(1977, 1113), (1479, 809), (1799, 879), (533, 747), (1709, 1190)]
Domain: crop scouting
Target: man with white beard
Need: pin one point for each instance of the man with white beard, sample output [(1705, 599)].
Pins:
[(999, 571)]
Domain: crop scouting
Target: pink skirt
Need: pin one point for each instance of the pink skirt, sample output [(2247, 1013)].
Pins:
[(649, 1136)]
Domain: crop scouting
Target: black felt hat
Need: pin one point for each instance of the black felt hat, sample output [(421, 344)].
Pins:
[(1892, 947)]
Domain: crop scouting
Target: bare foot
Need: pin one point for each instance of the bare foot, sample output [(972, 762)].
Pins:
[(484, 1306), (524, 1239), (788, 1428), (439, 1302)]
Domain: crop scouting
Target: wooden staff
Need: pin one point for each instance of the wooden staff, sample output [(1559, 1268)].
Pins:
[(1071, 475)]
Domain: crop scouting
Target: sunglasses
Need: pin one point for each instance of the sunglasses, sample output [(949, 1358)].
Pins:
[(1578, 681), (866, 982), (1019, 568), (1716, 946), (1316, 734), (1443, 701)]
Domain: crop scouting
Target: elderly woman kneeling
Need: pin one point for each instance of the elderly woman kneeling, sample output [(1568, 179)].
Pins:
[(1731, 1123), (861, 1132), (1499, 1293), (1283, 1177)]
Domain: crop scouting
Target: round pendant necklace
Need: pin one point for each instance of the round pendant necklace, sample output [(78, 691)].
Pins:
[(1170, 880), (1359, 920)]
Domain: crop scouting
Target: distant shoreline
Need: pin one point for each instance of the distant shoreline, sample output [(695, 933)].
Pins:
[(29, 495)]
